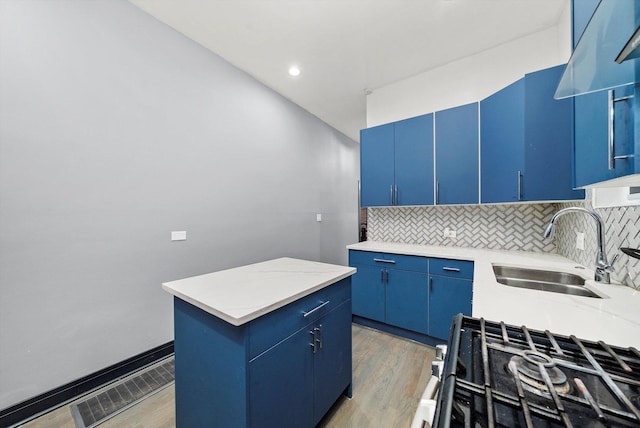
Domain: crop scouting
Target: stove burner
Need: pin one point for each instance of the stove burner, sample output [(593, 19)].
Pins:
[(529, 366)]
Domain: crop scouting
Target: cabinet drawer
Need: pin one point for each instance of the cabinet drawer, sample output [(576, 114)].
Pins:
[(395, 261), (453, 268), (269, 329)]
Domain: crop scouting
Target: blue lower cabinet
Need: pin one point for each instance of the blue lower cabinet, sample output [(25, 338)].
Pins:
[(447, 298), (411, 294), (297, 381), (391, 289), (368, 292), (231, 376), (406, 300), (281, 384), (332, 360)]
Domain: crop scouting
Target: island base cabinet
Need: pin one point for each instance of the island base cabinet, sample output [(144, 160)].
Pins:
[(208, 369), (332, 360), (297, 381), (225, 379)]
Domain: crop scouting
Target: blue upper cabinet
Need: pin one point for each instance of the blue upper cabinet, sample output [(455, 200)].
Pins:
[(600, 156), (396, 163), (414, 160), (604, 143), (548, 137), (457, 155), (502, 144), (377, 166), (526, 142)]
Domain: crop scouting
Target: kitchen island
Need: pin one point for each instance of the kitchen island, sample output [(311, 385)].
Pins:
[(268, 344)]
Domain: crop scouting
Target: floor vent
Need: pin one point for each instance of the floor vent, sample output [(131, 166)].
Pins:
[(123, 394)]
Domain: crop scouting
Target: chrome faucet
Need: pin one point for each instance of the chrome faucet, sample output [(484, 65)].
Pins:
[(603, 267)]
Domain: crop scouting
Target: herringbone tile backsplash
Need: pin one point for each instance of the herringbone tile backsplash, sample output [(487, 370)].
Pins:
[(622, 229), (513, 227), (501, 227)]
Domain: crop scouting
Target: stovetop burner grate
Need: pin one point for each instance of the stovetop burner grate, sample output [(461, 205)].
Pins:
[(500, 375)]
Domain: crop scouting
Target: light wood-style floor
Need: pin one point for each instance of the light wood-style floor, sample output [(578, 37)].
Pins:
[(389, 375)]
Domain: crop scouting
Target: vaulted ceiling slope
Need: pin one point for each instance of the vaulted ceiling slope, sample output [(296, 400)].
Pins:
[(346, 47)]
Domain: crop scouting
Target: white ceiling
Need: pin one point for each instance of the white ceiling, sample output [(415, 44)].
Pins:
[(345, 47)]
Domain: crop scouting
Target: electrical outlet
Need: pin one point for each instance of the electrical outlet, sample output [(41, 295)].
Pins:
[(580, 241), (446, 232)]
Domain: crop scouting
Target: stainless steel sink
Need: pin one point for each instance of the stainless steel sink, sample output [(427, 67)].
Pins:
[(543, 280)]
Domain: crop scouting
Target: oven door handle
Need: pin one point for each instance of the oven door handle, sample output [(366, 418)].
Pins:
[(427, 407)]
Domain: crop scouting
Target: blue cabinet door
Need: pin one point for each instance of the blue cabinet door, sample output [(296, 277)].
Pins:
[(332, 362), (367, 293), (457, 155), (502, 144), (548, 131), (281, 384), (406, 295), (591, 148), (376, 166), (414, 160), (447, 297)]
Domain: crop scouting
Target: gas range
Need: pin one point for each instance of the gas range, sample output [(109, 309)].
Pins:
[(498, 375)]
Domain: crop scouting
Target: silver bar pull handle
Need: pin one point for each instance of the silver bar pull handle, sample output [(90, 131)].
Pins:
[(319, 338), (391, 194), (306, 314), (384, 261), (611, 146), (430, 284), (450, 269), (437, 193), (382, 276), (313, 341), (519, 185), (395, 191), (610, 130)]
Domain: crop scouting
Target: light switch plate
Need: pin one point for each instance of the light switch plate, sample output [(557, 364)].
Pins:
[(318, 217), (180, 235)]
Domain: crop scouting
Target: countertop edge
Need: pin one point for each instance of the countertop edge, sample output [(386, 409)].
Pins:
[(238, 321), (614, 318)]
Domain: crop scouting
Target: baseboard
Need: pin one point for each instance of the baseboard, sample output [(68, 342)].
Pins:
[(397, 331), (29, 408)]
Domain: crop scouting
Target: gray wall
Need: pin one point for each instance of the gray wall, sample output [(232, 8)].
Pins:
[(114, 131)]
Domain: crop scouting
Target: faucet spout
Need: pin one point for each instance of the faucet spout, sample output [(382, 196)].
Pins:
[(603, 267)]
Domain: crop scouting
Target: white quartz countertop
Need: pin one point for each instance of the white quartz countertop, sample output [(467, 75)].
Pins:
[(242, 294), (614, 319)]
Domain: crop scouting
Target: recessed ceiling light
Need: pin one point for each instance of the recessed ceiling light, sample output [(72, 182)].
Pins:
[(294, 70)]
